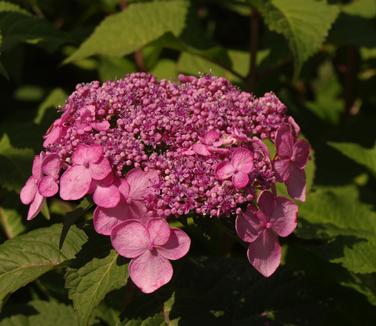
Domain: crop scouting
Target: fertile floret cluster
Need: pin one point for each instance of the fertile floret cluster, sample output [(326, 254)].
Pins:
[(148, 150)]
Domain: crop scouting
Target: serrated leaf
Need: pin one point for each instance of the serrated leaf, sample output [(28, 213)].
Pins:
[(54, 99), (362, 8), (88, 285), (360, 257), (339, 211), (52, 314), (26, 257), (15, 164), (11, 222), (359, 154), (133, 28), (305, 24), (17, 320)]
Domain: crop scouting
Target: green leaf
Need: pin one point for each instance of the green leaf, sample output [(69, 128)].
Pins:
[(15, 164), (88, 285), (11, 7), (10, 219), (112, 68), (165, 69), (359, 154), (362, 8), (339, 211), (54, 99), (305, 24), (138, 25), (26, 257), (17, 320), (360, 257), (52, 314)]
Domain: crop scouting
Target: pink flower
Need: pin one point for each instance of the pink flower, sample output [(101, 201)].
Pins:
[(260, 228), (238, 168), (292, 158), (207, 142), (150, 248), (127, 200), (42, 183), (88, 164)]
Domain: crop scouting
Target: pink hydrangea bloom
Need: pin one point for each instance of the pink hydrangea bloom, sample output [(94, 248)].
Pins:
[(88, 164), (150, 248), (128, 199), (292, 158), (238, 168), (42, 183), (277, 216)]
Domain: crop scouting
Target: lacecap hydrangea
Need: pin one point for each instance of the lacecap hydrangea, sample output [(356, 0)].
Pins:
[(149, 151)]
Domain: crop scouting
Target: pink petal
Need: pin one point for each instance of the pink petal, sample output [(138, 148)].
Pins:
[(141, 183), (85, 154), (282, 169), (284, 218), (37, 166), (294, 125), (242, 160), (259, 146), (248, 226), (28, 191), (301, 153), (105, 219), (296, 183), (124, 188), (177, 245), (150, 271), (135, 209), (35, 206), (159, 231), (75, 183), (100, 170), (267, 203), (201, 149), (264, 253), (224, 170), (51, 165), (106, 196), (48, 187), (211, 137), (240, 179), (130, 239), (284, 141), (52, 136)]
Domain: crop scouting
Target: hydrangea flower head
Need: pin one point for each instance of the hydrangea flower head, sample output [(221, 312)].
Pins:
[(150, 151)]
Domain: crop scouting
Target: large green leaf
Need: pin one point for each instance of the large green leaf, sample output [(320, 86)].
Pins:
[(15, 164), (12, 7), (26, 257), (305, 24), (339, 211), (88, 285), (138, 25), (11, 220), (359, 154)]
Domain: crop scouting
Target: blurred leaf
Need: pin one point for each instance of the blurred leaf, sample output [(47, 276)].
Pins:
[(138, 25), (156, 320), (305, 24), (339, 211), (165, 69), (360, 257), (17, 320), (26, 257), (359, 154), (12, 7), (10, 219), (88, 285), (363, 8), (112, 68), (17, 27), (29, 93), (54, 99), (15, 164), (328, 105)]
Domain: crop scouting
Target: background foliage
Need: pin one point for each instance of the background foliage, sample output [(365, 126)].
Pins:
[(317, 56)]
